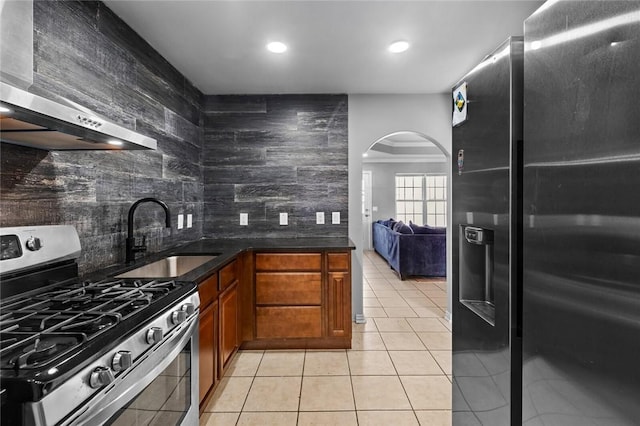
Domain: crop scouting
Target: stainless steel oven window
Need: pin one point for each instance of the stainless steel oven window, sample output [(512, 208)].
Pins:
[(165, 401)]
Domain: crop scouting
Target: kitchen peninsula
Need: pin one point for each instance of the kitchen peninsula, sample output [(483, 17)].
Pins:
[(279, 293)]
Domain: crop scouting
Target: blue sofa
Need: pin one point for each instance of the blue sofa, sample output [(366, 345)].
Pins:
[(415, 250)]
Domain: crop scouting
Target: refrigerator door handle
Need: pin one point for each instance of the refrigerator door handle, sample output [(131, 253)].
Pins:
[(476, 236)]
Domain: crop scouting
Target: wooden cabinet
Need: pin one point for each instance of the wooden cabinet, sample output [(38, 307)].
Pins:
[(288, 261), (271, 300), (219, 326), (302, 300), (208, 352), (287, 322), (289, 288), (339, 261), (288, 295), (208, 338), (228, 325), (339, 294), (208, 291), (229, 314), (228, 275)]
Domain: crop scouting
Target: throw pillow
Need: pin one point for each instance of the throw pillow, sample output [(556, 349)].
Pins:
[(388, 223), (402, 228)]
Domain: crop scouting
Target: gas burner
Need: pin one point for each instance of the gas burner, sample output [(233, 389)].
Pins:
[(139, 303), (40, 350), (91, 325), (37, 352), (88, 309)]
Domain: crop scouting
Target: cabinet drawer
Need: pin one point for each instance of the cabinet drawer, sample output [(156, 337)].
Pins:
[(228, 275), (338, 261), (288, 322), (288, 262), (208, 290), (288, 288)]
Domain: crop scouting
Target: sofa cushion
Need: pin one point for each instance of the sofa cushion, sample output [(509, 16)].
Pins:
[(388, 223), (402, 228), (426, 229)]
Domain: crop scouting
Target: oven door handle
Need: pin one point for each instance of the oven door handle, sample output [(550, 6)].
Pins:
[(126, 387)]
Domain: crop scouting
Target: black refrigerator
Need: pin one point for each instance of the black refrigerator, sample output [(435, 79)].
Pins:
[(546, 218), (486, 178)]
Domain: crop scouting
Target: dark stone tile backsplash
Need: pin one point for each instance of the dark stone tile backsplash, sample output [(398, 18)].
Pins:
[(84, 52), (264, 155), (217, 156)]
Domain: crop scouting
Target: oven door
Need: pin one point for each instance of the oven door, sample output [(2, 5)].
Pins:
[(161, 389)]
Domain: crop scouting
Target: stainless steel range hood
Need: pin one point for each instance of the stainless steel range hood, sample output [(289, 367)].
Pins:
[(31, 120)]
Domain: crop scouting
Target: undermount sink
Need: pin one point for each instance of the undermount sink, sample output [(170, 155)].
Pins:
[(169, 267)]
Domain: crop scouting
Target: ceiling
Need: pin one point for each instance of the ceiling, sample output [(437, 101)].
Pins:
[(333, 46)]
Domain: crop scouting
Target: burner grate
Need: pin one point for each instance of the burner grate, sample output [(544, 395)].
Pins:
[(38, 329), (27, 351)]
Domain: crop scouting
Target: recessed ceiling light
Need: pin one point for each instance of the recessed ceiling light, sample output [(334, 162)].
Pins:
[(4, 109), (276, 47), (398, 46), (114, 142)]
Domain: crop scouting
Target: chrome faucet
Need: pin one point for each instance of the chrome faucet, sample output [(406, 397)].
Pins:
[(132, 248)]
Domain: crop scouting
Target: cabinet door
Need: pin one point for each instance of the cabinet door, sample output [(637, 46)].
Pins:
[(228, 324), (339, 304), (208, 349)]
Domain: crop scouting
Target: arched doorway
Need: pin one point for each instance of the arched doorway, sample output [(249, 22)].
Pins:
[(371, 118), (406, 314), (398, 157)]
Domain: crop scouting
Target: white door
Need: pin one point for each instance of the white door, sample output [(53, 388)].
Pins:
[(366, 209)]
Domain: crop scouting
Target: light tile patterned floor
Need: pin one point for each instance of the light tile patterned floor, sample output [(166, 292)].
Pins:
[(398, 371)]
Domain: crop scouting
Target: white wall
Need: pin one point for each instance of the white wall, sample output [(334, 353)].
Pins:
[(372, 117)]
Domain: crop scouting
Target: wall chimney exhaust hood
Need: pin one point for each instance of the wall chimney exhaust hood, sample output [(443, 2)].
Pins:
[(31, 120)]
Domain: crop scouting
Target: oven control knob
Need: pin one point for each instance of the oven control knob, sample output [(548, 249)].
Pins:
[(178, 317), (121, 360), (101, 376), (189, 308), (34, 243), (154, 335)]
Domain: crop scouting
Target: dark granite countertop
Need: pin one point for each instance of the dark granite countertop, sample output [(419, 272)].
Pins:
[(225, 250)]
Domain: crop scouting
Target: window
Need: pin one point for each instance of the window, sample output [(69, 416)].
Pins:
[(410, 198), (420, 197), (436, 200)]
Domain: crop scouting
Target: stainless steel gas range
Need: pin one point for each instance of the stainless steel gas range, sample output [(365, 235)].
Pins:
[(72, 352)]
